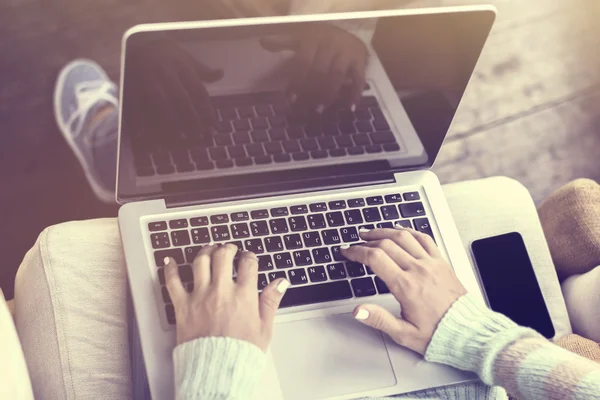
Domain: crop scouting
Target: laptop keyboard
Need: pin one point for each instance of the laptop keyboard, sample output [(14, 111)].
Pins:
[(258, 129), (300, 242)]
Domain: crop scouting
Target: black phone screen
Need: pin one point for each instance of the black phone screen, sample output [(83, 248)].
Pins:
[(510, 283)]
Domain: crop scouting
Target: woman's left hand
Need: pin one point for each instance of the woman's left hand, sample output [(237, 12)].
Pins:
[(220, 306)]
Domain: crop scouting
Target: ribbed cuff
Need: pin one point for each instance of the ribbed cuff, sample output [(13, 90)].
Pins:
[(216, 368), (470, 336)]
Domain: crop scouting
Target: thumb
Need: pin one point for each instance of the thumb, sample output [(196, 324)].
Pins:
[(210, 75), (379, 318), (269, 300)]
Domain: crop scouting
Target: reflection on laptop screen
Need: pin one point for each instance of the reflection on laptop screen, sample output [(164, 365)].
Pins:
[(229, 108)]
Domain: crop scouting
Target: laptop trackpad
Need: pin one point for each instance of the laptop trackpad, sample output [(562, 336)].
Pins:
[(329, 356)]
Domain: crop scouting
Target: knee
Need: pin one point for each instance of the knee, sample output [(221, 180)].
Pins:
[(571, 221)]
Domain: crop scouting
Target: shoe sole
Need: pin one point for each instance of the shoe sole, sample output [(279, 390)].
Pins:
[(104, 195)]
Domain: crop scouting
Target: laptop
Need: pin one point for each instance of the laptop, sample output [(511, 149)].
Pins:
[(224, 137)]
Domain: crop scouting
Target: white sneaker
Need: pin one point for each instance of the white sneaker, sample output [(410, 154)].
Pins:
[(81, 89)]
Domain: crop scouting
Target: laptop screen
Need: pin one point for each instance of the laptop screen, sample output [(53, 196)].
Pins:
[(221, 111)]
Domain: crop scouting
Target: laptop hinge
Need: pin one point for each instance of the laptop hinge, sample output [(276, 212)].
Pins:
[(278, 189)]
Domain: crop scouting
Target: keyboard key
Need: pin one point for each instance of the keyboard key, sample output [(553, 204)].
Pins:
[(219, 219), (365, 127), (312, 294), (254, 245), (327, 143), (371, 214), (165, 295), (291, 146), (273, 243), (283, 260), (355, 269), (243, 162), (236, 151), (278, 226), (337, 205), (224, 163), (185, 273), (337, 254), (300, 156), (356, 150), (240, 231), (262, 281), (344, 141), (316, 221), (260, 123), (319, 154), (412, 209), (279, 212), (191, 252), (259, 228), (335, 219), (241, 125), (240, 216), (200, 235), (389, 212), (300, 209), (382, 137), (363, 287), (281, 158), (262, 160), (405, 223), (265, 263), (176, 254), (317, 273), (381, 125), (273, 148), (277, 134), (311, 239), (264, 110), (393, 198), (385, 225), (298, 223), (276, 275), (391, 147), (241, 137), (422, 225), (293, 242), (218, 153), (349, 234), (353, 217), (259, 136), (255, 149), (362, 139), (369, 271), (178, 224), (302, 257), (278, 122), (375, 200), (238, 244), (298, 276), (321, 255), (259, 214), (168, 169), (160, 240), (157, 226), (170, 310), (373, 149), (199, 221), (223, 139), (356, 203), (331, 236), (367, 226), (161, 275), (318, 207), (246, 112), (412, 196), (336, 271), (220, 233), (337, 152)]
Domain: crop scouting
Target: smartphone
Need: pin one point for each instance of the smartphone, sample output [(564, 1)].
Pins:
[(510, 283)]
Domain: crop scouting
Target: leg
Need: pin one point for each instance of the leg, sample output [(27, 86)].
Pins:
[(86, 111), (71, 312)]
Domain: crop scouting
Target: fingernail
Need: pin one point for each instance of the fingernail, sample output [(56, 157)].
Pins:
[(320, 109), (282, 286), (167, 260), (364, 230), (353, 107), (211, 243), (399, 226), (362, 314), (345, 246), (293, 97)]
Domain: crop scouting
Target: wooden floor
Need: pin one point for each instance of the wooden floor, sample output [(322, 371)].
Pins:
[(532, 111)]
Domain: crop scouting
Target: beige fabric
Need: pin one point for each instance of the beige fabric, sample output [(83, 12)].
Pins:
[(582, 295), (582, 346), (571, 221), (14, 379), (70, 309)]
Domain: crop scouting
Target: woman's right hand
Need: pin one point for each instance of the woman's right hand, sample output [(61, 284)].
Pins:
[(414, 270)]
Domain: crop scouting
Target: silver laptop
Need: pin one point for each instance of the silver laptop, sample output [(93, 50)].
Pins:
[(229, 134)]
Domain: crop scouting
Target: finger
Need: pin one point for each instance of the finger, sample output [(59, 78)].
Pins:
[(201, 267), (400, 257), (401, 237), (208, 74), (427, 242), (359, 81), (270, 298), (334, 82), (222, 264), (201, 99), (379, 261), (173, 281), (247, 272), (379, 318), (318, 76), (301, 65)]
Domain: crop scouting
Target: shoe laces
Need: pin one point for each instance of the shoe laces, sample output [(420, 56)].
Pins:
[(88, 95)]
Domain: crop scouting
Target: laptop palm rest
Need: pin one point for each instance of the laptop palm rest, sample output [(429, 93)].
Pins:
[(329, 356)]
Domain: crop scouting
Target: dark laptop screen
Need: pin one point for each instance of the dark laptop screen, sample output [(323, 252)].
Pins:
[(222, 111)]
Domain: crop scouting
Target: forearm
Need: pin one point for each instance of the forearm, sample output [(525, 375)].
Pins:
[(217, 368), (471, 337)]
